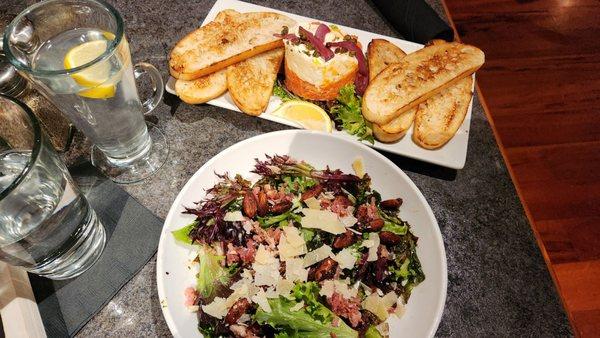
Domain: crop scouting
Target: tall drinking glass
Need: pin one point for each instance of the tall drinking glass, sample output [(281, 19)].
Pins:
[(76, 53), (46, 224)]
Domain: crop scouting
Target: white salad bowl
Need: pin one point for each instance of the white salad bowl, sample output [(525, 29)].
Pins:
[(425, 306)]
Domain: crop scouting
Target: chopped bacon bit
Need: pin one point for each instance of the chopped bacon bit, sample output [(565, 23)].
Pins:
[(232, 256), (247, 254), (325, 203), (367, 212), (275, 234), (262, 236), (340, 205), (338, 272), (346, 308), (191, 295), (255, 191)]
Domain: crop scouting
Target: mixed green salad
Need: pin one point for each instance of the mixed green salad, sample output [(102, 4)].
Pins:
[(301, 252)]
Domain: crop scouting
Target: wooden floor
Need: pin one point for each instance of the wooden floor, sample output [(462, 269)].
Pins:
[(541, 85)]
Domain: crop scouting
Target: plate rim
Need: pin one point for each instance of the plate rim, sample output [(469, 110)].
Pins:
[(437, 234)]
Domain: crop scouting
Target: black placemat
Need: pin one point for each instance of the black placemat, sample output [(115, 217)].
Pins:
[(132, 238), (414, 20)]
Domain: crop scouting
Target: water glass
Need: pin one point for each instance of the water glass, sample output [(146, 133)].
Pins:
[(46, 224), (76, 53)]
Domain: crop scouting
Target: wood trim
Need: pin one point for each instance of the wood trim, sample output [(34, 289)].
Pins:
[(19, 311), (530, 219)]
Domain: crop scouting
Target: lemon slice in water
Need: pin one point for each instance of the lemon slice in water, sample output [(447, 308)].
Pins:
[(95, 76), (306, 114)]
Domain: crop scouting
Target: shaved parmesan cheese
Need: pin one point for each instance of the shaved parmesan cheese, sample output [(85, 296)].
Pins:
[(267, 275), (217, 308), (243, 288), (247, 225), (358, 167), (384, 329), (271, 293), (389, 299), (295, 271), (345, 259), (327, 288), (193, 308), (400, 309), (263, 256), (266, 267), (317, 255), (374, 237), (293, 236), (327, 195), (367, 243), (284, 287), (330, 286), (349, 220), (288, 250), (233, 216), (297, 307), (313, 203), (366, 288), (380, 305), (322, 219), (244, 318), (260, 298)]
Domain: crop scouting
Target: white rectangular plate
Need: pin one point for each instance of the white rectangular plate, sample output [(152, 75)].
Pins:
[(451, 155)]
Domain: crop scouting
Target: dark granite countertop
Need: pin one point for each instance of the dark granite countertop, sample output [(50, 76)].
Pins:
[(498, 283)]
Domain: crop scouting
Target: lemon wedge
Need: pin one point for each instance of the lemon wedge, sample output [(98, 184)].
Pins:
[(306, 114), (94, 77)]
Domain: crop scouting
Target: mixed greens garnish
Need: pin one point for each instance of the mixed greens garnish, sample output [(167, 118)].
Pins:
[(300, 252)]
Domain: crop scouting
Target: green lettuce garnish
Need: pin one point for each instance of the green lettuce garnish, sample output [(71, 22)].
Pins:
[(212, 276), (395, 228), (348, 113), (313, 320), (182, 235), (300, 323), (280, 91), (372, 332)]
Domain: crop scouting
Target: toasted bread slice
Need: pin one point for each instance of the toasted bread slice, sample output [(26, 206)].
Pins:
[(250, 82), (400, 124), (202, 89), (229, 40), (418, 76), (382, 136), (438, 119), (380, 54)]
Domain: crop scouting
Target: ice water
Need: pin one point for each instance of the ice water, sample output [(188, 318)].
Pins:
[(37, 228), (114, 124)]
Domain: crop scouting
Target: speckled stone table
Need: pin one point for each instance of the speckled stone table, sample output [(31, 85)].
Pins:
[(498, 283)]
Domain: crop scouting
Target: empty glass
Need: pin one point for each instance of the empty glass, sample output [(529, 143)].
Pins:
[(46, 224), (76, 53)]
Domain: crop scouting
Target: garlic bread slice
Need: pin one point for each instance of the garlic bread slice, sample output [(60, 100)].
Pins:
[(230, 38), (250, 82), (380, 54), (437, 120), (202, 89)]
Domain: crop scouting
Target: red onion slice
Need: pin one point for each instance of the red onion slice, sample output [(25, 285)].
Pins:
[(290, 36), (325, 52), (362, 76), (322, 30)]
